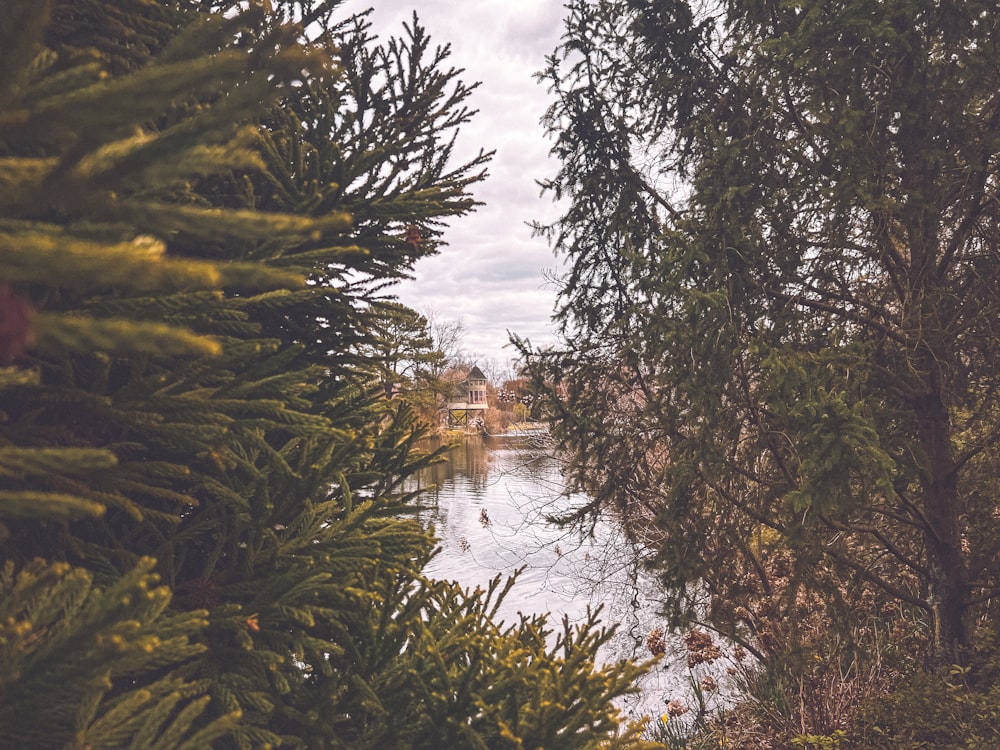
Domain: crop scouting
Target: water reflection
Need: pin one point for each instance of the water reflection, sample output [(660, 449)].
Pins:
[(488, 504)]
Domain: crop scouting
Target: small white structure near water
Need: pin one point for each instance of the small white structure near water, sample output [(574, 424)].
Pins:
[(467, 400)]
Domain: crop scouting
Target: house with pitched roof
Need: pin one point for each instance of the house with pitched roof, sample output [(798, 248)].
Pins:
[(467, 399)]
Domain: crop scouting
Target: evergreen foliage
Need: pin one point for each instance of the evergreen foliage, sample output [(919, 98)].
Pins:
[(207, 537), (779, 319), (406, 353), (952, 707), (64, 643)]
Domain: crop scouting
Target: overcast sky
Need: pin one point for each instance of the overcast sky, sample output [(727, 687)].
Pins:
[(492, 275)]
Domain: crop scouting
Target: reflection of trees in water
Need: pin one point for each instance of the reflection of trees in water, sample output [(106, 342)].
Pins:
[(519, 485), (606, 569), (470, 459)]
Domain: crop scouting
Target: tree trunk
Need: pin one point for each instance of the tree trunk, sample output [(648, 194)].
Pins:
[(948, 586)]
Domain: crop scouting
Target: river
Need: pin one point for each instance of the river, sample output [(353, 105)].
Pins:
[(488, 505)]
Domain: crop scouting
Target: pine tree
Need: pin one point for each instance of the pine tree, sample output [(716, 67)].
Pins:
[(94, 304), (209, 541), (781, 309)]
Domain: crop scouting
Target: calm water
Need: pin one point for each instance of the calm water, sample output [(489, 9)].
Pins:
[(489, 504)]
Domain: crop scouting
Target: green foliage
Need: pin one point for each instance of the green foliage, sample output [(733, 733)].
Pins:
[(776, 216), (952, 707), (66, 645), (834, 741), (200, 209), (404, 349), (448, 675), (671, 733)]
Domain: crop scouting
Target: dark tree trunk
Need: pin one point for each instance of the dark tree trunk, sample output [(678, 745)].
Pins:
[(948, 586)]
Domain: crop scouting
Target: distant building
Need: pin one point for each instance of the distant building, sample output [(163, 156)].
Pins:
[(467, 399)]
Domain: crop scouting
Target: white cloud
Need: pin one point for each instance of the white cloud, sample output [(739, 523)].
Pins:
[(492, 274)]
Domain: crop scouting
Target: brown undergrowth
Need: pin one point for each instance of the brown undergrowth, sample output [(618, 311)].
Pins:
[(811, 663)]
